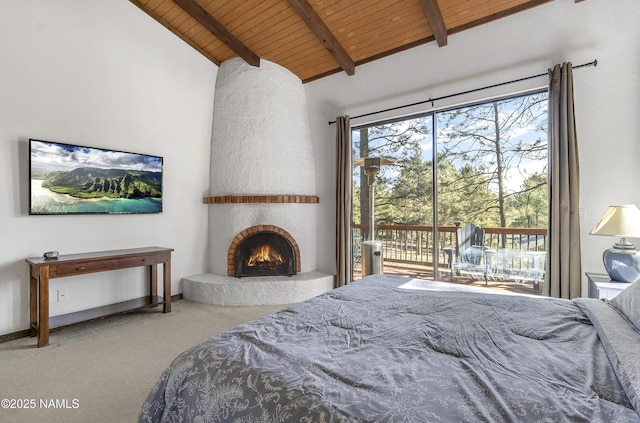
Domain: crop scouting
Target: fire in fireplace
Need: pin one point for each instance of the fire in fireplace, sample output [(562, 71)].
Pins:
[(264, 253)]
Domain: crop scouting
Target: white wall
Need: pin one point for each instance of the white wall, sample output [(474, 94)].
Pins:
[(607, 97), (104, 74)]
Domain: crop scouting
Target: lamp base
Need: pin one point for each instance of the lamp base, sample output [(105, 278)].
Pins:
[(623, 265)]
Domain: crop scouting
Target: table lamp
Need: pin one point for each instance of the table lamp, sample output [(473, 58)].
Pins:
[(622, 261)]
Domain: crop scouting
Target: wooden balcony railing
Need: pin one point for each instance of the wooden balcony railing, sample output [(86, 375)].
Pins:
[(516, 249)]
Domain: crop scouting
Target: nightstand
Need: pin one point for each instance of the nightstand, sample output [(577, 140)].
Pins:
[(602, 287)]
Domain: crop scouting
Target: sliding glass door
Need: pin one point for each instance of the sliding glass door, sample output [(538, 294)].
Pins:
[(403, 190), (490, 173)]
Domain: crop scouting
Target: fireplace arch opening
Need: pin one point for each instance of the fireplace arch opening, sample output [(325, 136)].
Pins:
[(263, 250)]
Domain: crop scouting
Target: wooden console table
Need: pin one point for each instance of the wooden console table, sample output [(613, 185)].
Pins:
[(41, 270)]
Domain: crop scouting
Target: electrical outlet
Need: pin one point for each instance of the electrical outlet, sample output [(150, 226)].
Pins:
[(63, 295)]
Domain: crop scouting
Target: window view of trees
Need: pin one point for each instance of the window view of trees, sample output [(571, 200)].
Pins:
[(498, 155), (491, 169)]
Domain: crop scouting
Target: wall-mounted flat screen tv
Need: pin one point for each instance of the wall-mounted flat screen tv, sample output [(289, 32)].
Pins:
[(74, 179)]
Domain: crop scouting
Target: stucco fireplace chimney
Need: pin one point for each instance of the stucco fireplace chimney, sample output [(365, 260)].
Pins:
[(262, 174)]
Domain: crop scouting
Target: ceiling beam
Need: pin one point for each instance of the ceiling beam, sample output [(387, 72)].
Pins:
[(318, 27), (432, 10), (219, 31)]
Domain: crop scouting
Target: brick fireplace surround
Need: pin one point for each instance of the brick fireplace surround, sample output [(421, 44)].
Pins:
[(254, 230)]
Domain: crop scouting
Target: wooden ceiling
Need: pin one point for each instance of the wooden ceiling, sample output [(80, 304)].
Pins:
[(316, 38)]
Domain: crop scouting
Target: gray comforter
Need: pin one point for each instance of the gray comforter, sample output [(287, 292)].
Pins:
[(375, 352)]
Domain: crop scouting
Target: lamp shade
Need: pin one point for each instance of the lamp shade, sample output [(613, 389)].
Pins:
[(622, 221), (622, 261)]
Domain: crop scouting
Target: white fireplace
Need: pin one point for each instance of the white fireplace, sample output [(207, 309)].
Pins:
[(262, 174)]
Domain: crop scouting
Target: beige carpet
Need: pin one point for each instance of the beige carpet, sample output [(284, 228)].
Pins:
[(102, 371)]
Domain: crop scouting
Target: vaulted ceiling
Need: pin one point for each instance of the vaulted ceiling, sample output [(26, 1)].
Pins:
[(316, 38)]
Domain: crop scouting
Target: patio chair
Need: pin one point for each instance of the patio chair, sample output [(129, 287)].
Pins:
[(518, 265), (469, 252), (507, 264)]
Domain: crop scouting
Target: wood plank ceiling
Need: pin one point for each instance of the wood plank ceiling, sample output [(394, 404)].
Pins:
[(316, 38)]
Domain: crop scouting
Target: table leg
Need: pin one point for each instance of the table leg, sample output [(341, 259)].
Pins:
[(33, 303), (167, 286), (43, 306), (153, 280)]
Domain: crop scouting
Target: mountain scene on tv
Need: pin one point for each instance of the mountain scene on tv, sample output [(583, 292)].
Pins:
[(74, 179)]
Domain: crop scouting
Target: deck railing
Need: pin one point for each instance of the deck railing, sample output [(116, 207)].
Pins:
[(520, 250)]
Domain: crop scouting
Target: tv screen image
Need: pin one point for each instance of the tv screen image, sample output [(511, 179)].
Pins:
[(74, 179)]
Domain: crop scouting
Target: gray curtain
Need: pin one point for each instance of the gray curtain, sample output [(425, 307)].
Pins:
[(563, 276), (343, 201)]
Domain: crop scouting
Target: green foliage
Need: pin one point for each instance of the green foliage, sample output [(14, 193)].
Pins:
[(90, 182), (530, 205), (464, 196)]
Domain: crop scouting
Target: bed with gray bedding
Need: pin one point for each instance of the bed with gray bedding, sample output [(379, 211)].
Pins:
[(390, 349)]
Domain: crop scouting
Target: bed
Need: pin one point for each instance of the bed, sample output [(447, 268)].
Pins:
[(393, 349)]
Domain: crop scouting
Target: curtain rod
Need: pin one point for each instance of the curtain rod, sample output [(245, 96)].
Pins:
[(431, 100)]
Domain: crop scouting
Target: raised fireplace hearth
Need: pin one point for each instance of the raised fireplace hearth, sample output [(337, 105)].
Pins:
[(263, 250)]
